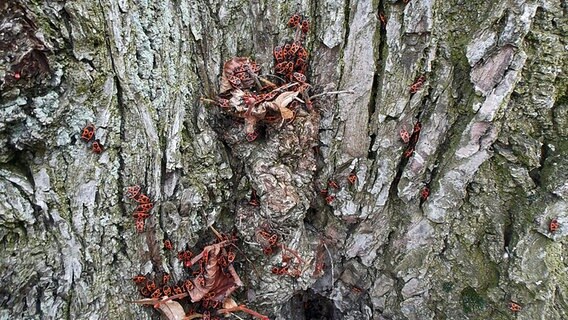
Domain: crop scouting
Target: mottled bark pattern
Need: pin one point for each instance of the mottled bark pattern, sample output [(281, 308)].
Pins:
[(492, 150)]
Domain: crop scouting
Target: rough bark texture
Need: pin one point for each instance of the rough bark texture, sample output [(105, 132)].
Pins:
[(492, 149)]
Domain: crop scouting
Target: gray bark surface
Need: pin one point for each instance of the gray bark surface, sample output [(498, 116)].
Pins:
[(492, 150)]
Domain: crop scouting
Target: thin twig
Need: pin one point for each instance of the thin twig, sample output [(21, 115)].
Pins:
[(301, 101), (200, 255), (243, 308), (176, 296), (330, 261), (332, 92), (236, 316), (255, 77), (307, 265), (155, 302), (270, 83), (286, 86), (216, 233), (207, 100)]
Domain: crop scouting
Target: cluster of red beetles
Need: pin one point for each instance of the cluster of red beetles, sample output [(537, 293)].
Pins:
[(267, 239), (291, 58), (424, 194), (409, 139), (291, 262), (554, 225), (142, 211), (514, 307), (290, 265), (227, 258), (245, 94), (88, 135), (160, 286), (333, 185), (163, 286), (418, 83)]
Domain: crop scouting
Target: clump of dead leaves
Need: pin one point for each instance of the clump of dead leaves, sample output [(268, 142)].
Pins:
[(220, 280), (245, 94)]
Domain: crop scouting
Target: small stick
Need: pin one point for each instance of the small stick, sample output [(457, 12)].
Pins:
[(236, 316), (243, 308), (207, 100), (307, 265), (200, 255), (217, 234), (285, 87), (301, 101), (247, 259), (330, 261), (332, 92), (156, 302), (270, 83), (255, 77), (193, 316), (176, 296)]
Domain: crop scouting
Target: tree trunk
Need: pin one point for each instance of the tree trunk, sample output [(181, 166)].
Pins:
[(493, 109)]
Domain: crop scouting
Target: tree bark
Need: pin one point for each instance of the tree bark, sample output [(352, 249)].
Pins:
[(493, 108)]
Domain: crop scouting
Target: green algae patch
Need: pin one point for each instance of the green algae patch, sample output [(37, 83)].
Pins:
[(447, 286), (472, 301)]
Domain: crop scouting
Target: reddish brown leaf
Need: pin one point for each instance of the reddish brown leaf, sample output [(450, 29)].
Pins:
[(215, 279), (170, 309), (285, 98)]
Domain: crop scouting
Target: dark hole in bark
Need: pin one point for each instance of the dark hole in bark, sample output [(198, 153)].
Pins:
[(316, 219), (309, 305), (508, 232), (535, 173), (372, 154)]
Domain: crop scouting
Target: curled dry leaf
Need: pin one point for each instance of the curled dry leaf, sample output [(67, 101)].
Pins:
[(228, 70), (270, 105), (285, 98), (236, 100), (217, 281), (170, 309), (286, 113), (225, 85), (250, 124), (229, 303), (259, 111)]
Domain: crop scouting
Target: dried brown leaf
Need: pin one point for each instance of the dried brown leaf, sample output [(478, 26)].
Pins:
[(285, 98), (259, 111), (228, 70), (270, 105), (229, 303), (250, 124), (215, 279), (172, 310), (286, 113), (225, 85), (236, 100)]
